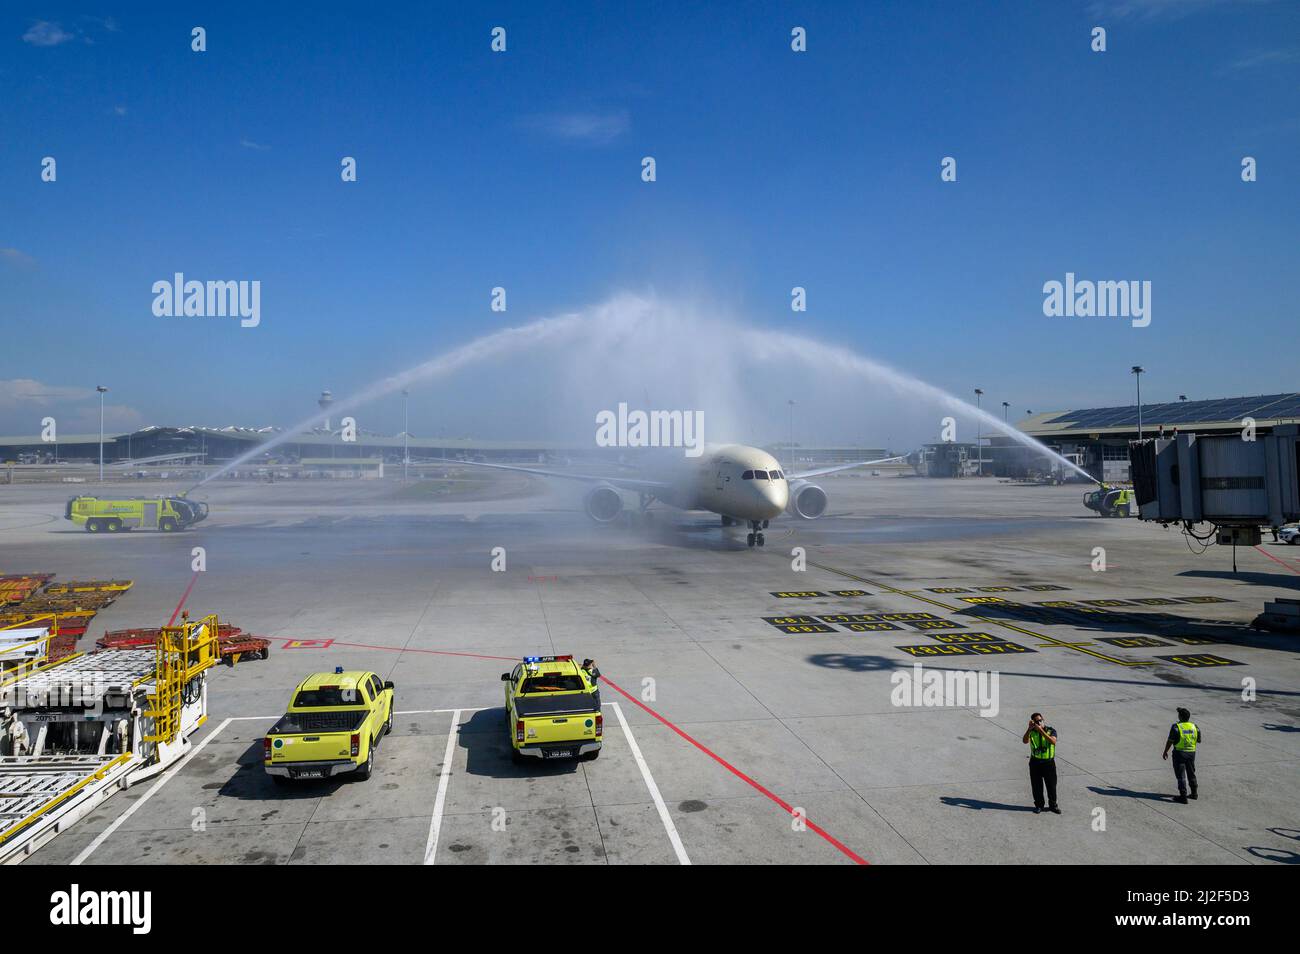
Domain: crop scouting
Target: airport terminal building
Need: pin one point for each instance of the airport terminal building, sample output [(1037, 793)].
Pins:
[(1097, 438)]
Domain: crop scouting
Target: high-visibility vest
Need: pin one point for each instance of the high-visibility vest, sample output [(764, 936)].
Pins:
[(1040, 746), (1186, 737)]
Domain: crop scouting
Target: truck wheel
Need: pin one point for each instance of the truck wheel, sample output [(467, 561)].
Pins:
[(388, 726), (515, 756), (279, 780), (591, 756), (368, 766), (92, 526), (167, 525), (114, 525)]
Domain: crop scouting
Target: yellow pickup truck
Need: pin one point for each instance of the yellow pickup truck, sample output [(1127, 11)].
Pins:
[(334, 723), (553, 709)]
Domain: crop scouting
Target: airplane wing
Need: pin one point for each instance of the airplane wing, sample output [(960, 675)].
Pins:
[(623, 483), (830, 470)]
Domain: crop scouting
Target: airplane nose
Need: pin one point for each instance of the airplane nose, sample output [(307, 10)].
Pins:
[(775, 495)]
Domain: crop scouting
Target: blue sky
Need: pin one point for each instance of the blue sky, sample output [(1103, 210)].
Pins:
[(522, 169)]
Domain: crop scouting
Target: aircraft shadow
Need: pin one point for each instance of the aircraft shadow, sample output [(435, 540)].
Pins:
[(1181, 632), (1285, 581), (853, 663)]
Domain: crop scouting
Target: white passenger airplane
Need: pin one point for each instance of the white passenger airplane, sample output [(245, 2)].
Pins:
[(741, 484)]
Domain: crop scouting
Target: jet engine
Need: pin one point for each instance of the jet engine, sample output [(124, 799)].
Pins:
[(807, 500), (603, 503)]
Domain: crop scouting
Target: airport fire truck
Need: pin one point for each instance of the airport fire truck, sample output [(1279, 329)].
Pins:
[(167, 514)]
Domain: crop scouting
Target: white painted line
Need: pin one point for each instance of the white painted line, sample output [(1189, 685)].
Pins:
[(439, 803), (666, 818), (153, 790)]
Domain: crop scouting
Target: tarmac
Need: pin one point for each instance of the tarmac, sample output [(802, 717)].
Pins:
[(752, 708)]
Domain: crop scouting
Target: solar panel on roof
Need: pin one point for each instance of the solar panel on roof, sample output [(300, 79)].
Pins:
[(1260, 407)]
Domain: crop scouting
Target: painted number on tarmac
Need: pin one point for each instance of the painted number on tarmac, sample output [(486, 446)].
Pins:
[(966, 637), (934, 624), (790, 620), (1000, 647), (877, 627), (849, 593), (796, 629), (798, 595), (1133, 642), (1201, 661), (933, 650)]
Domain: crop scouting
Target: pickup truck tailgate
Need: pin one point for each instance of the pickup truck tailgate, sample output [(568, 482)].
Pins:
[(562, 717), (314, 736)]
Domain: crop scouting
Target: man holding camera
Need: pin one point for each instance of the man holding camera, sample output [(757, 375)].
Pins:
[(1041, 740)]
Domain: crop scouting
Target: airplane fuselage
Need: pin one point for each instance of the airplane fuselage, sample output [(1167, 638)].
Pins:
[(732, 480)]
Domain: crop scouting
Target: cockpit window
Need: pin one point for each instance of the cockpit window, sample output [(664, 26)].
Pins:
[(760, 475), (747, 475), (777, 475)]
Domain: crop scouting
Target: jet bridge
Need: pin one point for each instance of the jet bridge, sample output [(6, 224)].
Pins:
[(74, 732)]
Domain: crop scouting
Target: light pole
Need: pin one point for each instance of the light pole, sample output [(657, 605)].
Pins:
[(979, 435), (1005, 410), (102, 391), (791, 444), (406, 432), (1136, 371)]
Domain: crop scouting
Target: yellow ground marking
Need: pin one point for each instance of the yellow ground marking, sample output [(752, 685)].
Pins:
[(1048, 641)]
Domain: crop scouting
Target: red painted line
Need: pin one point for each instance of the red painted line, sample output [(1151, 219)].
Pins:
[(176, 611), (431, 652), (1276, 560), (786, 806)]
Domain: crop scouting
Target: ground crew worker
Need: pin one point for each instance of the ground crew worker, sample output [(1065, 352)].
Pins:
[(1041, 740), (1184, 736), (593, 674)]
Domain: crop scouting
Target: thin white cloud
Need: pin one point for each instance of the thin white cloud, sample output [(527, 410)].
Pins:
[(592, 128), (117, 417), (1161, 9), (119, 110), (107, 23), (47, 33), (1265, 58), (26, 392), (249, 144), (17, 258)]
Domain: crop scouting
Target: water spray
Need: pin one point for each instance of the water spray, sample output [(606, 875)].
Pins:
[(622, 318)]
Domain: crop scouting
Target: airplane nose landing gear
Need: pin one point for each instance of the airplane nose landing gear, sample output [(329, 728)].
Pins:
[(755, 536)]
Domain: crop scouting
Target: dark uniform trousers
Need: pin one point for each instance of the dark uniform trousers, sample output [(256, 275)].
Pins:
[(1043, 772), (1185, 766)]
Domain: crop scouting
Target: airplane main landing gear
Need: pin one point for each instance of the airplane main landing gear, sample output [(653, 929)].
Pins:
[(755, 536)]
